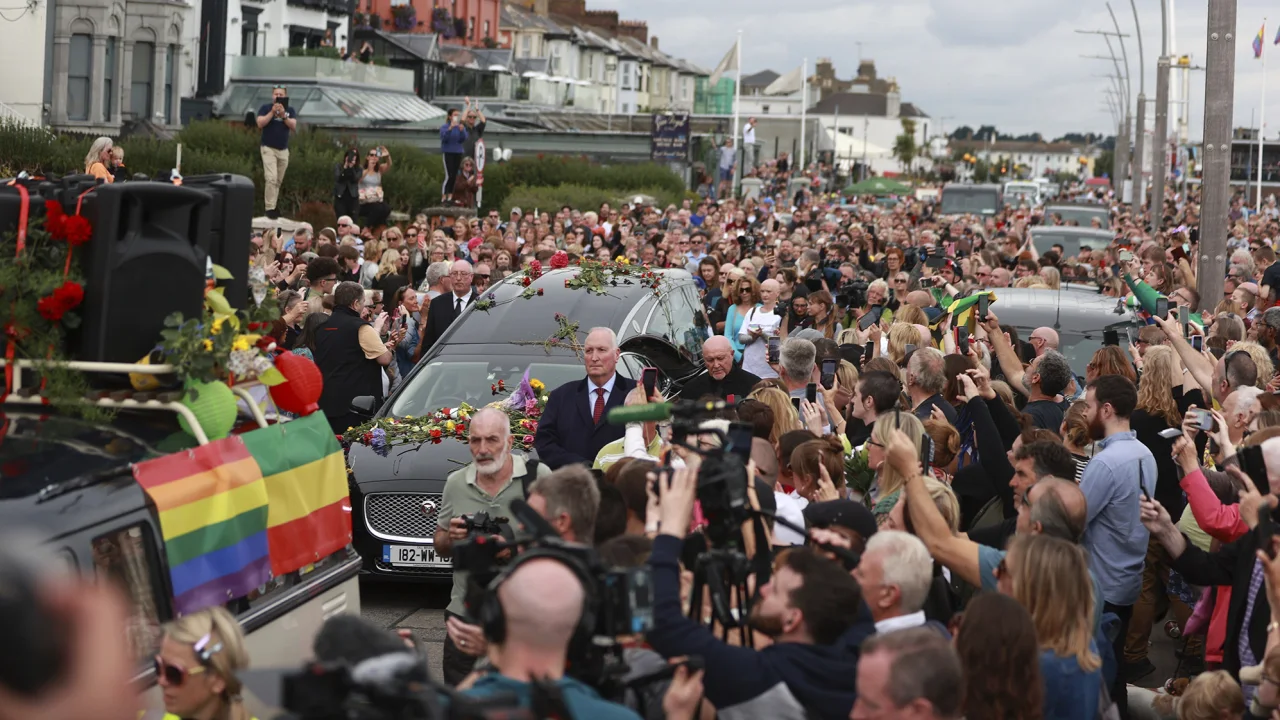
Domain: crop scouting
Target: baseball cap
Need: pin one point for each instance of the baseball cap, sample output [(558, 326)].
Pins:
[(843, 513)]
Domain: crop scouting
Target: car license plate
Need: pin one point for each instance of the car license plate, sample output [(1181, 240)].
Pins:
[(412, 555)]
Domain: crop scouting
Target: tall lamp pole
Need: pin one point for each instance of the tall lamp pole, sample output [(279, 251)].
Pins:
[(1219, 96), (1160, 154), (1139, 176)]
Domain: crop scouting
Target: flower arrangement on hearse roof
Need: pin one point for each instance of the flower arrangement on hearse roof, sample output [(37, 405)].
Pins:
[(523, 409)]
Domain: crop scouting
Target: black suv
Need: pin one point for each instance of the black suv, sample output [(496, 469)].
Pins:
[(394, 498)]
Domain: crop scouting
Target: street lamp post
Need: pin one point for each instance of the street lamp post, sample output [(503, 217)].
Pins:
[(1160, 156), (1139, 176), (1219, 95)]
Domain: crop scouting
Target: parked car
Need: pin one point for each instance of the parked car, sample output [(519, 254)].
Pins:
[(1083, 213), (1081, 319), (69, 483), (394, 497), (964, 199), (1070, 238)]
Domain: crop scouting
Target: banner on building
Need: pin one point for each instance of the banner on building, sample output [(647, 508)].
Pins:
[(669, 139)]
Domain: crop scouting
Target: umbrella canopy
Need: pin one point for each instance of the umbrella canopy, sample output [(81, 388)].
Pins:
[(878, 186)]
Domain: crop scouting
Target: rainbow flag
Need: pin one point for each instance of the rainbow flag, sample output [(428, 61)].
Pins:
[(1277, 41), (1257, 41), (302, 467), (241, 510), (212, 503)]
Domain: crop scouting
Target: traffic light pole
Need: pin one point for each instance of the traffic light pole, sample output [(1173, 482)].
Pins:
[(1219, 94)]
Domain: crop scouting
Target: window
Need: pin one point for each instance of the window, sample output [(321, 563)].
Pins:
[(764, 109), (486, 28), (170, 77), (249, 30), (79, 71), (626, 76), (128, 559), (525, 42), (144, 67), (109, 80)]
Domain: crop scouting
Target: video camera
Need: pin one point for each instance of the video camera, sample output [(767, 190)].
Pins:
[(620, 599), (853, 294)]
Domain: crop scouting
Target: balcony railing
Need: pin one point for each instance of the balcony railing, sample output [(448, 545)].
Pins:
[(283, 69)]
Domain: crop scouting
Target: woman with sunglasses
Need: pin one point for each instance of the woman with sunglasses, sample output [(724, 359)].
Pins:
[(744, 294), (196, 667)]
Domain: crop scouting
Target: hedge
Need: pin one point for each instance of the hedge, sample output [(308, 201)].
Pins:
[(584, 197), (413, 183)]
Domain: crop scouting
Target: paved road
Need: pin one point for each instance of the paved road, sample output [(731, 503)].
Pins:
[(419, 608)]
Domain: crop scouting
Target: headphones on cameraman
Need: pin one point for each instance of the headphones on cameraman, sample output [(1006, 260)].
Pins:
[(493, 620)]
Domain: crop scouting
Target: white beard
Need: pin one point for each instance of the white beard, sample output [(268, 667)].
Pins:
[(489, 467)]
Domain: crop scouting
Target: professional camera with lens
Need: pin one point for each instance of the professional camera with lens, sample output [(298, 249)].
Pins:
[(621, 598), (853, 293), (482, 524)]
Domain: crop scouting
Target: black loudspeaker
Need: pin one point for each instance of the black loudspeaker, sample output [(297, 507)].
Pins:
[(230, 227), (148, 258)]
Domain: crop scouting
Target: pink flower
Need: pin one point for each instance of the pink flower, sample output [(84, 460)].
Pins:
[(528, 439)]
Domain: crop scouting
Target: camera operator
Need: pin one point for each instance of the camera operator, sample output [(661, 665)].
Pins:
[(568, 498), (488, 485), (542, 602), (805, 609)]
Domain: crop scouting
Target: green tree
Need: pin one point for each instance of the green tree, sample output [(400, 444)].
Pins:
[(904, 146), (964, 132), (981, 172), (1104, 163)]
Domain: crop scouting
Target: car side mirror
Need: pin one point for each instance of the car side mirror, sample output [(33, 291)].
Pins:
[(362, 405)]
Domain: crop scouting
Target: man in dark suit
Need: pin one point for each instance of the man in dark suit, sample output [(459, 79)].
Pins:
[(573, 428), (1236, 565), (722, 379), (444, 309)]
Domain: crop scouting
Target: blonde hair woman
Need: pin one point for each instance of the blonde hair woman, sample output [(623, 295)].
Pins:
[(1212, 696), (889, 482), (785, 418), (1050, 578), (900, 336), (1160, 372), (908, 314), (98, 162), (1051, 277), (196, 667)]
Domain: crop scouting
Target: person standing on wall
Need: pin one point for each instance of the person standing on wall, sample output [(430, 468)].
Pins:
[(749, 146), (276, 120), (453, 146)]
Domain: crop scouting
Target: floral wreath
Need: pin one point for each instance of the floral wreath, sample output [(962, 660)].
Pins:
[(523, 409)]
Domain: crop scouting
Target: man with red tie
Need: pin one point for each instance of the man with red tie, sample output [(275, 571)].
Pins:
[(573, 426)]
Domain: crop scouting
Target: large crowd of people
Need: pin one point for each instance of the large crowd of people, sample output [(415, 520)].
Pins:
[(989, 530)]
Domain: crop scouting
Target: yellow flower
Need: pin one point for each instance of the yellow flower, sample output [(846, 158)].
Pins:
[(208, 344), (537, 385), (622, 260), (241, 343), (217, 325), (408, 417), (449, 426)]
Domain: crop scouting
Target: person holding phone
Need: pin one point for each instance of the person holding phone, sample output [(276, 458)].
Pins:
[(276, 120), (453, 146), (744, 295), (760, 323)]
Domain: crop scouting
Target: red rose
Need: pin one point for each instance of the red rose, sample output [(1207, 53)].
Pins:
[(435, 433), (49, 308), (539, 291), (69, 295), (460, 430), (54, 219), (445, 411), (560, 260), (526, 282), (368, 438), (77, 229)]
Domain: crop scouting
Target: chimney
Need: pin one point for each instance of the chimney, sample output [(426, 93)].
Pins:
[(568, 8), (653, 42), (893, 100), (539, 8)]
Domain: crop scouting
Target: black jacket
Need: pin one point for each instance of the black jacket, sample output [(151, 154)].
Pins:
[(566, 434), (440, 315), (346, 371), (1231, 565), (346, 181), (737, 383)]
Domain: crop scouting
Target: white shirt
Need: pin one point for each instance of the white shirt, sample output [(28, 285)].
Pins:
[(755, 357), (791, 510), (465, 299), (749, 134), (591, 392), (902, 622)]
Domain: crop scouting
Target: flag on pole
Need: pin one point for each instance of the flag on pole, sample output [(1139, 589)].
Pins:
[(1257, 41), (787, 84), (728, 63)]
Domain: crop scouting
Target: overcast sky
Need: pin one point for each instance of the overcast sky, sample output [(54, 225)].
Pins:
[(1014, 64)]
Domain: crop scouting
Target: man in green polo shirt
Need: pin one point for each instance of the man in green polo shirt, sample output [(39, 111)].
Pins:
[(488, 484)]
